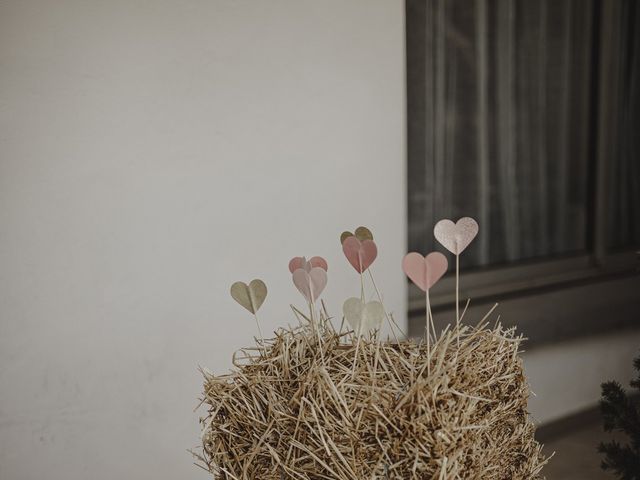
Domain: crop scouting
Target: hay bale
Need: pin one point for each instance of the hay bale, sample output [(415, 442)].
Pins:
[(299, 407)]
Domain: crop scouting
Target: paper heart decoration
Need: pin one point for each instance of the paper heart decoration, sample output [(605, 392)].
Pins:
[(363, 316), (360, 254), (455, 237), (311, 283), (424, 271), (249, 296), (301, 262), (361, 233)]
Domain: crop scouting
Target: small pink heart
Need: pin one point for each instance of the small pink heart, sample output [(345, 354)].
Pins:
[(424, 271), (301, 262), (311, 283), (455, 237), (360, 254)]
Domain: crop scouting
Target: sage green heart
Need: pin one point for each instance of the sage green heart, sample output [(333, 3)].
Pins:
[(249, 296), (361, 233)]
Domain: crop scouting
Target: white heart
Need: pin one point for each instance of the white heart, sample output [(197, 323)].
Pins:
[(363, 316), (455, 237)]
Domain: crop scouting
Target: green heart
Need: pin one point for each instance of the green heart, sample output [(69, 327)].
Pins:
[(249, 296), (361, 233)]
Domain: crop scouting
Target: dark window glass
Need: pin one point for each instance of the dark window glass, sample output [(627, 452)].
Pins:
[(501, 107)]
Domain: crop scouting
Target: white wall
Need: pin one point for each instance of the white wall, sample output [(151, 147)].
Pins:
[(151, 153)]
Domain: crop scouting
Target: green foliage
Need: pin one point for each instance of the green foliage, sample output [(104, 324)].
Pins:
[(621, 414)]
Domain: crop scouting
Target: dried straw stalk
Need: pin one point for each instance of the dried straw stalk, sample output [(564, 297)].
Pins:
[(296, 409)]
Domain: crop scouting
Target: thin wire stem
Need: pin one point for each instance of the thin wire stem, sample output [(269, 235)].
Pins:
[(428, 311), (458, 298), (457, 289), (260, 332), (389, 318), (315, 326), (355, 357)]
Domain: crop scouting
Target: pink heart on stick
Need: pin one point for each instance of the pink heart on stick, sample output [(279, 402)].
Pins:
[(360, 254), (301, 262), (310, 284), (424, 271)]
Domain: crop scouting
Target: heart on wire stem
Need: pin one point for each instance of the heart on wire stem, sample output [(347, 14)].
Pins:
[(424, 271), (249, 296), (310, 284), (301, 262), (361, 316), (455, 237), (361, 233), (360, 254)]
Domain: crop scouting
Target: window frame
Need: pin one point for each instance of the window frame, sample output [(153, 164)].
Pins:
[(521, 278)]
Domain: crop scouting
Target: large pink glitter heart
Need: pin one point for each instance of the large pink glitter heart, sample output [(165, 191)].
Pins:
[(424, 271), (311, 283), (360, 254), (455, 237)]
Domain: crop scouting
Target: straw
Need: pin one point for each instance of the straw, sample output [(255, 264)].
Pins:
[(284, 413)]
